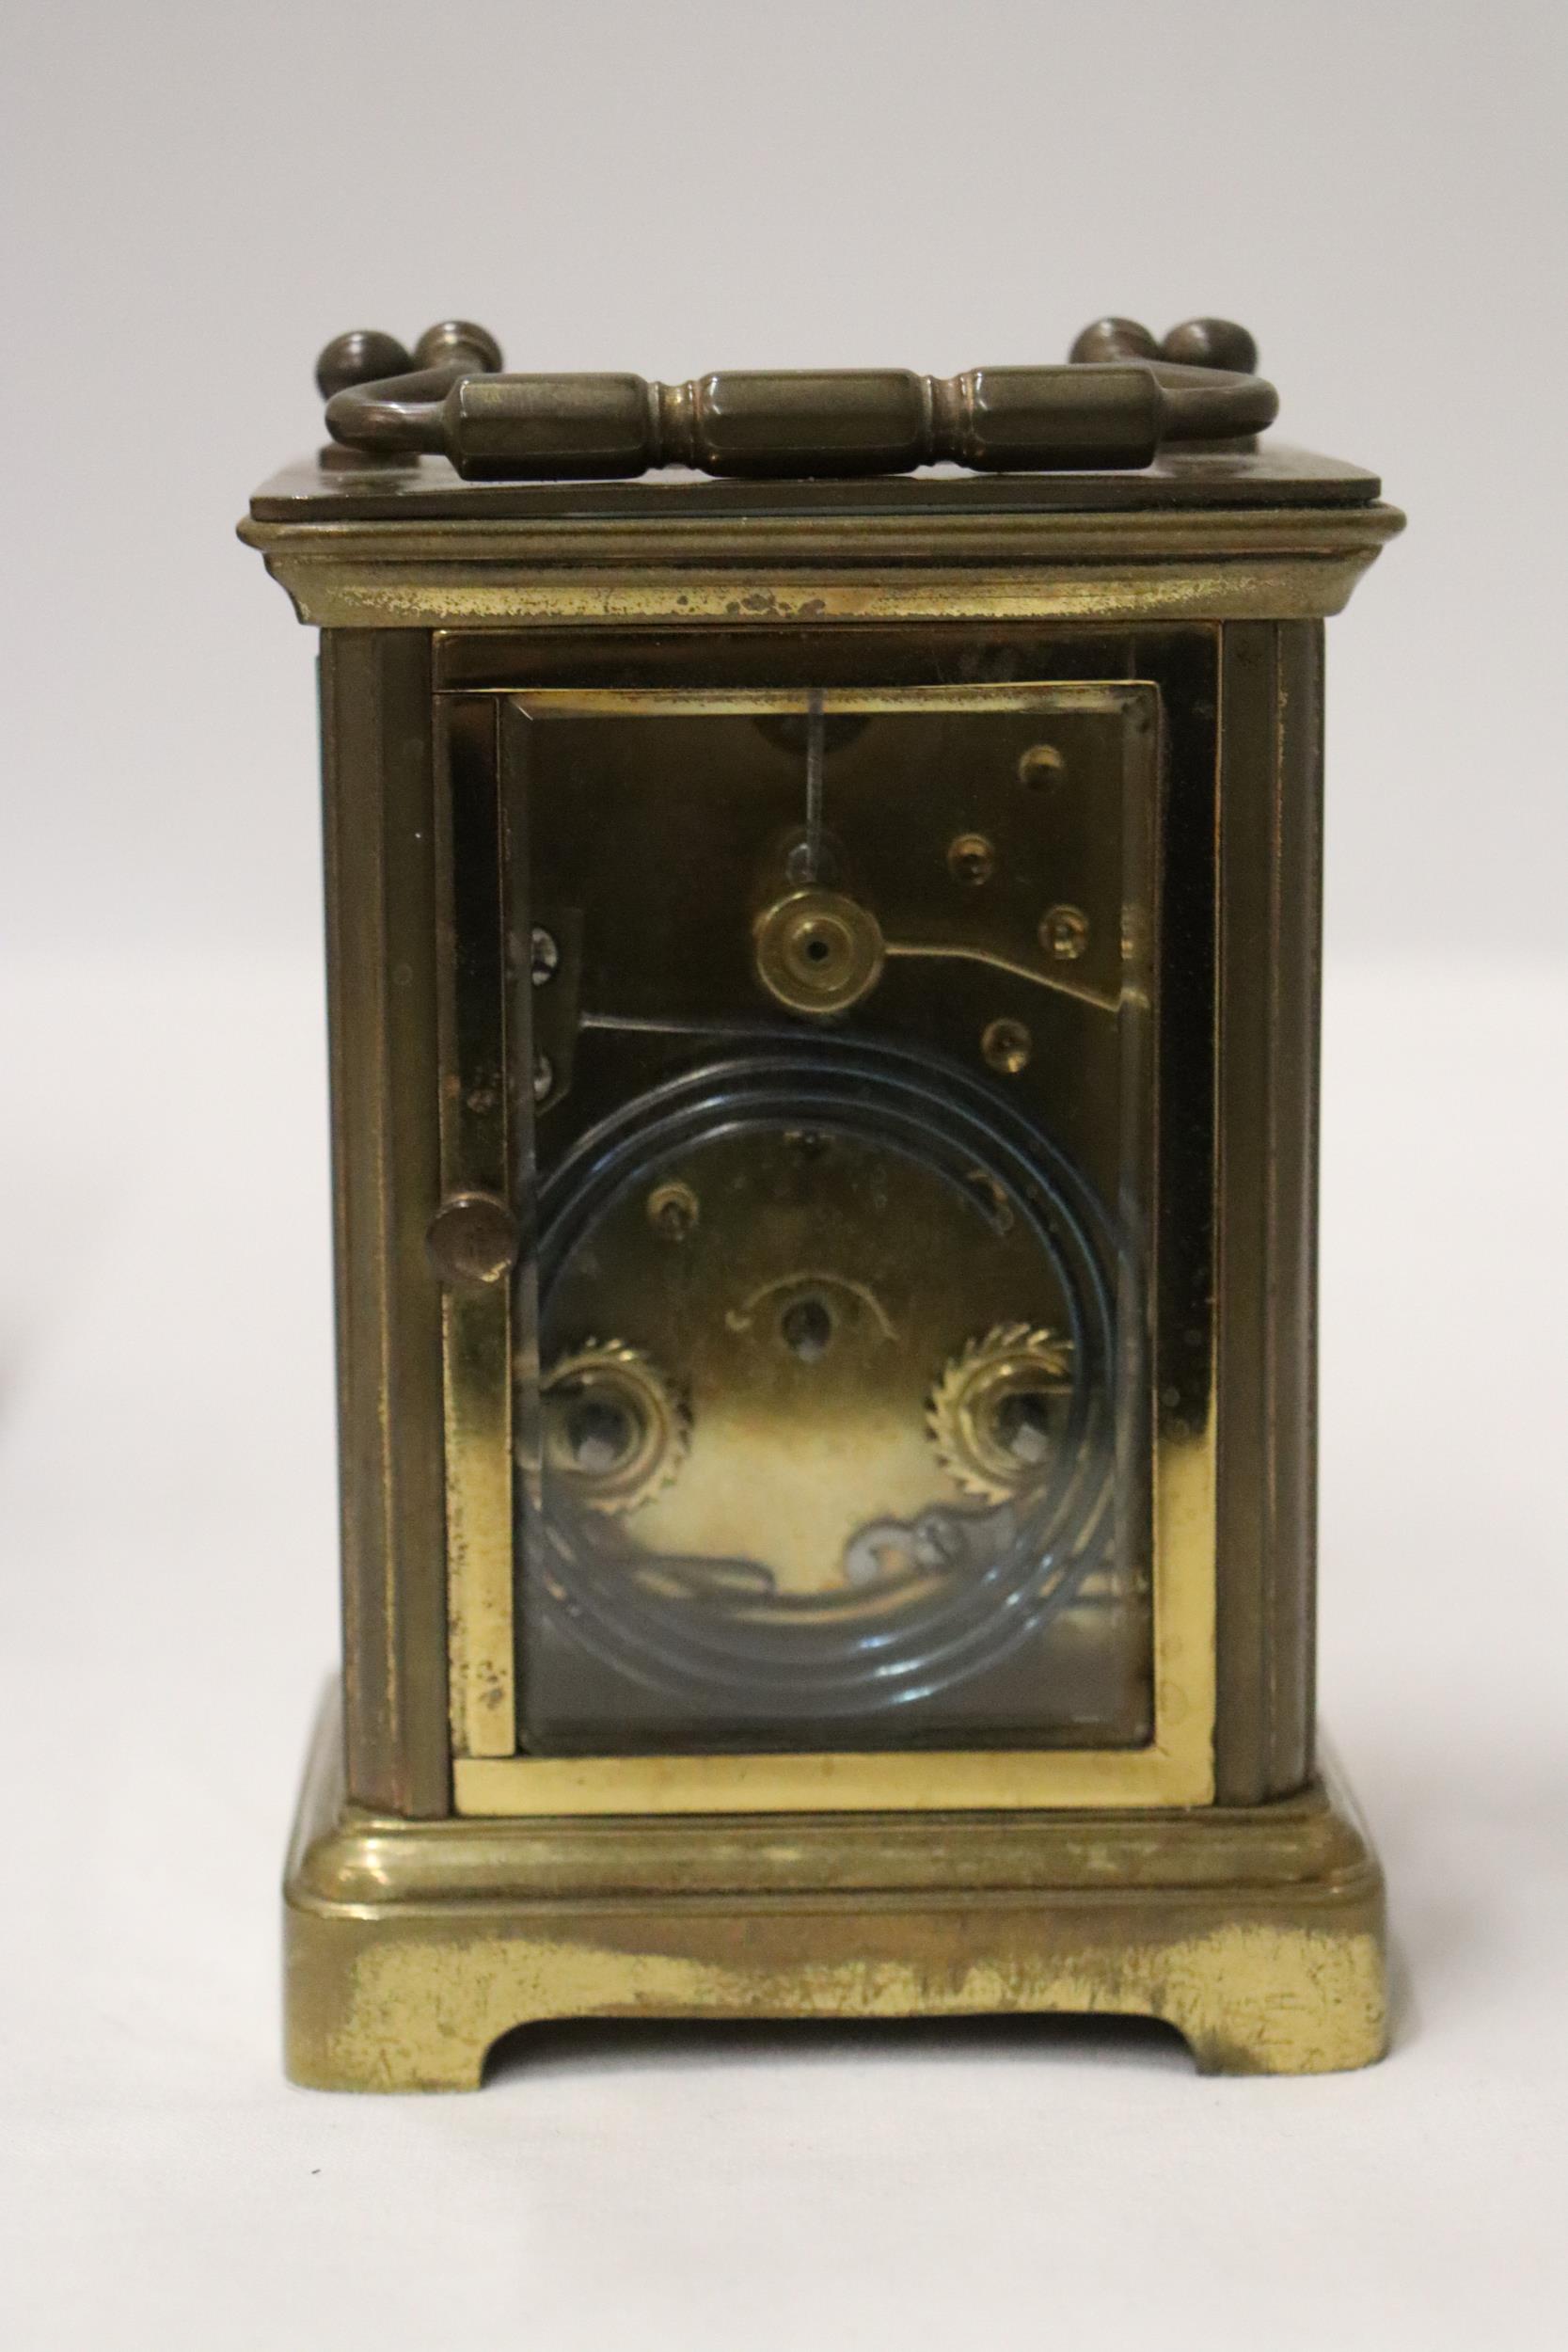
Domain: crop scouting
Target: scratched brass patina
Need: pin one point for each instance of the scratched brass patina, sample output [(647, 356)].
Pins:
[(823, 969)]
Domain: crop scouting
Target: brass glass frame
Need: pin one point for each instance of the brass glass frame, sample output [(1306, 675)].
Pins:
[(484, 863)]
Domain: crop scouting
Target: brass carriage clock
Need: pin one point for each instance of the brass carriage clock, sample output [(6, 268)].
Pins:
[(823, 917)]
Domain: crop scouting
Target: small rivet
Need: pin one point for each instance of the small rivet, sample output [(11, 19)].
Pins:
[(1040, 765), (544, 1076), (544, 955), (971, 858), (673, 1211), (1065, 932), (1007, 1044)]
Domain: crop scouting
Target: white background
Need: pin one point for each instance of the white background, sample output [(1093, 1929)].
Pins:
[(199, 196)]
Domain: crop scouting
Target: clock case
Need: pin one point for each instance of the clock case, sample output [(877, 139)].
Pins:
[(442, 1887)]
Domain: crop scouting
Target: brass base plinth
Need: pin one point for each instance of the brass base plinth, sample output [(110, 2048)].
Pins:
[(413, 1946)]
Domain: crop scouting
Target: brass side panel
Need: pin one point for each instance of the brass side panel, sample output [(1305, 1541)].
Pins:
[(413, 1948), (1269, 916), (381, 946)]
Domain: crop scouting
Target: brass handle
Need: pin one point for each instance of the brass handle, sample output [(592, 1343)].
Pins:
[(1118, 398)]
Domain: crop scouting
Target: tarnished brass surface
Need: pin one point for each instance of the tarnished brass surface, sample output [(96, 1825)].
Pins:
[(463, 1887), (1270, 474), (1195, 343), (1270, 924), (1218, 563), (1114, 407), (413, 1948), (377, 762)]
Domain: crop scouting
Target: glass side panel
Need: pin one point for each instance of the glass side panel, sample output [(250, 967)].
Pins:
[(833, 1405)]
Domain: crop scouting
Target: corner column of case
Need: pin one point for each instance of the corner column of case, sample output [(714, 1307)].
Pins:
[(1269, 957), (381, 939)]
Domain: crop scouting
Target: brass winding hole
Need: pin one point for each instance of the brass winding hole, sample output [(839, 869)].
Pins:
[(614, 1427), (601, 1432), (806, 1328), (818, 951), (996, 1413), (1022, 1425)]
